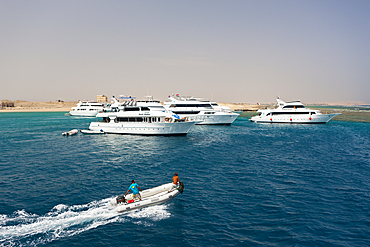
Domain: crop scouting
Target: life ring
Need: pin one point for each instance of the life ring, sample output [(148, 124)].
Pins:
[(167, 119), (310, 118), (270, 119), (290, 119)]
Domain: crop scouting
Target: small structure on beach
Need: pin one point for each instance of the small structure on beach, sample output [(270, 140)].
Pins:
[(6, 103), (101, 98)]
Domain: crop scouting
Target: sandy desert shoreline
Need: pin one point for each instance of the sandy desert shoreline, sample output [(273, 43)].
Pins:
[(27, 106)]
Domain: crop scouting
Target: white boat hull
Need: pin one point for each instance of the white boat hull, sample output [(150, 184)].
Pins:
[(84, 113), (86, 109), (149, 197), (291, 112), (160, 128), (295, 118), (94, 132)]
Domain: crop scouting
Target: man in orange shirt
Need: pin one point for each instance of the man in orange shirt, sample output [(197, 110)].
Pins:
[(176, 182), (176, 179)]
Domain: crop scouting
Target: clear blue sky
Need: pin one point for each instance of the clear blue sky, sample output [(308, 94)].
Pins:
[(228, 51)]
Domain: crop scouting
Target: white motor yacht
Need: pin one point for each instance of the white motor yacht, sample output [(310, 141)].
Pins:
[(291, 112), (200, 110), (138, 118), (86, 109)]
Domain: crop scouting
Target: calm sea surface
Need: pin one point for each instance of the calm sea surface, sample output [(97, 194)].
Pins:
[(245, 185)]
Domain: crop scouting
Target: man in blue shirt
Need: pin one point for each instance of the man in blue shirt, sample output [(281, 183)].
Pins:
[(135, 190)]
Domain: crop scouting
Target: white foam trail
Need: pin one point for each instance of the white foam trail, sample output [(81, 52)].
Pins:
[(154, 213), (23, 228)]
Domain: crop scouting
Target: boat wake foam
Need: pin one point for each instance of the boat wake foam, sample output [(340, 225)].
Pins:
[(25, 229)]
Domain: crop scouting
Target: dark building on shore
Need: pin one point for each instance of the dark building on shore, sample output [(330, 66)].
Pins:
[(6, 103)]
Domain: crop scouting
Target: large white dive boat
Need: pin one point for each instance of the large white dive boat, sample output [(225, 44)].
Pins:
[(139, 119), (292, 112), (86, 109), (200, 110)]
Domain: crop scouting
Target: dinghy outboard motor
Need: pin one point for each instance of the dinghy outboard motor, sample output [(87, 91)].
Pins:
[(181, 187), (120, 199)]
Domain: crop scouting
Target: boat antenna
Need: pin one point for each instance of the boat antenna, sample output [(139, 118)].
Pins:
[(147, 87)]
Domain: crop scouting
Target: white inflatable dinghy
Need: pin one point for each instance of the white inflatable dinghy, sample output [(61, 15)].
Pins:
[(149, 197), (70, 133), (92, 131)]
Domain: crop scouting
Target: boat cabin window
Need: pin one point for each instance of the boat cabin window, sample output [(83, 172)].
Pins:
[(186, 112), (151, 119), (130, 119), (132, 109), (192, 105), (206, 105), (156, 108), (289, 113), (144, 108), (122, 119), (293, 106)]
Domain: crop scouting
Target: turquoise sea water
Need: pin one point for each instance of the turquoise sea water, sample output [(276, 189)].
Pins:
[(246, 184)]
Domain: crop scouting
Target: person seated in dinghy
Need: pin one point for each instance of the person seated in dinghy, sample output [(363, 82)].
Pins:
[(176, 181), (135, 190)]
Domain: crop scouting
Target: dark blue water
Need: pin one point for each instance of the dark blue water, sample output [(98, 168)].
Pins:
[(245, 185)]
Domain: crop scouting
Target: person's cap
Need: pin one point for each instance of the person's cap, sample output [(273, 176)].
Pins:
[(176, 173)]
